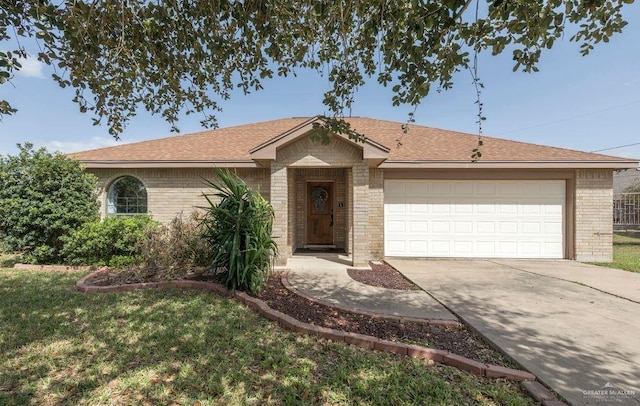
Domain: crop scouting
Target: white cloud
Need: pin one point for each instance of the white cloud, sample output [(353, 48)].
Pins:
[(76, 146), (31, 68)]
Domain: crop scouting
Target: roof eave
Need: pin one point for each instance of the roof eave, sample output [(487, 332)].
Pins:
[(169, 164), (509, 164)]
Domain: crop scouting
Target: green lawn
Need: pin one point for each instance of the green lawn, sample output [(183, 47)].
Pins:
[(182, 347), (626, 252)]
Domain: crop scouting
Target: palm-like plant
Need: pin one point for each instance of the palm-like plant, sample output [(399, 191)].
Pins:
[(238, 228)]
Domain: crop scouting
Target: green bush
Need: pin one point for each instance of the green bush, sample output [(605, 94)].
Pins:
[(115, 241), (175, 248), (43, 197), (239, 231)]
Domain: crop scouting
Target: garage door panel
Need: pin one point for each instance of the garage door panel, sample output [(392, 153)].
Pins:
[(465, 248), (395, 247), (396, 226), (463, 188), (415, 208), (416, 246), (530, 228), (486, 227), (508, 189), (417, 188), (463, 227), (486, 208), (419, 227), (486, 189), (551, 248), (441, 208), (552, 210), (552, 189), (508, 248), (396, 188), (441, 247), (441, 189), (531, 249), (461, 208), (508, 227), (553, 228), (487, 248), (441, 226), (503, 219)]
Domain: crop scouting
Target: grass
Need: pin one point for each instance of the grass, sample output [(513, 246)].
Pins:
[(9, 260), (182, 347), (626, 251)]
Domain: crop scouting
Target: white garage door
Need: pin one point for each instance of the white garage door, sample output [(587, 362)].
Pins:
[(474, 219)]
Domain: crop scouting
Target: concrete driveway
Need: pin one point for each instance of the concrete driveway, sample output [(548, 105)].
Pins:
[(575, 326)]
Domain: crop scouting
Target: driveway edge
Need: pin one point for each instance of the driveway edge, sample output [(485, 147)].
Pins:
[(534, 387)]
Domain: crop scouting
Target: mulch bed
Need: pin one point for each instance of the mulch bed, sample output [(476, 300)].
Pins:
[(458, 340), (381, 275)]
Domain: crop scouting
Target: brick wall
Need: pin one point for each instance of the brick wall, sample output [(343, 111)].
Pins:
[(376, 213), (360, 254), (307, 153), (280, 203), (593, 211), (172, 191)]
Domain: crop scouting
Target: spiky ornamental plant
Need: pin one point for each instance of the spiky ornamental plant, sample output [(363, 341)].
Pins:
[(238, 227)]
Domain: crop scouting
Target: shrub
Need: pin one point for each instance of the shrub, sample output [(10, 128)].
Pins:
[(115, 241), (43, 197), (177, 247), (239, 231)]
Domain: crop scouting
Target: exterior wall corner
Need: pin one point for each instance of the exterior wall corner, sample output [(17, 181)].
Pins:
[(594, 215)]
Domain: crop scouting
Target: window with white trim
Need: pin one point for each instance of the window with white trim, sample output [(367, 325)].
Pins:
[(126, 196)]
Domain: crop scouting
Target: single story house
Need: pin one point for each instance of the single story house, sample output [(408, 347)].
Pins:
[(375, 199)]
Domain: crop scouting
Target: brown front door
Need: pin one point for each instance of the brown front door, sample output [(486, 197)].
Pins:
[(320, 213)]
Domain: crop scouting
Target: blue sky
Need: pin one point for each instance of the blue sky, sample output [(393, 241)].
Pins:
[(587, 103)]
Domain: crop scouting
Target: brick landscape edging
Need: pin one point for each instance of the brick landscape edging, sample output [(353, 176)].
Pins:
[(432, 322), (56, 267), (360, 340)]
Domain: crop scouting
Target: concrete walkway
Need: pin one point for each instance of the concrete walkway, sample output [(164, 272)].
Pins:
[(575, 326), (324, 276)]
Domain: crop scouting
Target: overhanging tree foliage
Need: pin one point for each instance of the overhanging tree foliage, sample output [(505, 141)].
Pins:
[(43, 197), (174, 56)]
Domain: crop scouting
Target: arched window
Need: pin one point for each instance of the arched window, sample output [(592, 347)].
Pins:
[(126, 195)]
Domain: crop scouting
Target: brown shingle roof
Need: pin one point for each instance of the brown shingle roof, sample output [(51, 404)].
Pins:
[(421, 143), (224, 144)]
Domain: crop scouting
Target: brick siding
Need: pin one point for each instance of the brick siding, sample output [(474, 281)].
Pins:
[(360, 222), (376, 213), (594, 218), (174, 191)]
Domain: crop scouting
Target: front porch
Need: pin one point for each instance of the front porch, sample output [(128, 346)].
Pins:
[(325, 195), (322, 208)]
